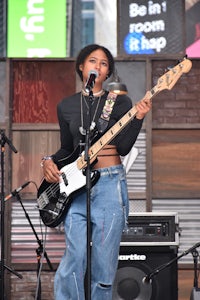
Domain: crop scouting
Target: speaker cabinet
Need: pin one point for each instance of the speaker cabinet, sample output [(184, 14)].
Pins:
[(135, 262)]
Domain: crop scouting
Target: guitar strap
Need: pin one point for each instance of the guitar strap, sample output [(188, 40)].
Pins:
[(106, 112)]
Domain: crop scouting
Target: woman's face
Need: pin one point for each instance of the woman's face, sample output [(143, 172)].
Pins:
[(98, 61)]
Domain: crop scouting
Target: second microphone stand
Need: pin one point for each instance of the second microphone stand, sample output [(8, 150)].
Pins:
[(148, 278), (195, 294), (39, 251)]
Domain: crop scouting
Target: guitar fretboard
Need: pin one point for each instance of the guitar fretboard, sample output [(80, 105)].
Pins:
[(107, 137)]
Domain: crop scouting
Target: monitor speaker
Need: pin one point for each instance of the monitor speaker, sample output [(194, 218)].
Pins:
[(136, 262)]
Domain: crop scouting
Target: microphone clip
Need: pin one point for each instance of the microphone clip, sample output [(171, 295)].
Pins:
[(147, 279), (16, 191)]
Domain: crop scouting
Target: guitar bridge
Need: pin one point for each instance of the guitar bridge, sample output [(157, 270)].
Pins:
[(61, 200)]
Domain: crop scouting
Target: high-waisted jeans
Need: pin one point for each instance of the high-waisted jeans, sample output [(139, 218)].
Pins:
[(108, 215)]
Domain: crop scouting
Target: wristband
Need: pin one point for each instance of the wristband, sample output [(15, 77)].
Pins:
[(44, 159)]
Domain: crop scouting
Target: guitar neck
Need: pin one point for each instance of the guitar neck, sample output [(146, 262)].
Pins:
[(107, 137)]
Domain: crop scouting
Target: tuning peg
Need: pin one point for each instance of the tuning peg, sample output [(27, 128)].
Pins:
[(168, 69), (180, 60)]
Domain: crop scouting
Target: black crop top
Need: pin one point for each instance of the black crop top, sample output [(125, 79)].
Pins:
[(69, 117)]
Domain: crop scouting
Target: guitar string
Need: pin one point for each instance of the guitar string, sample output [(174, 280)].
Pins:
[(52, 190)]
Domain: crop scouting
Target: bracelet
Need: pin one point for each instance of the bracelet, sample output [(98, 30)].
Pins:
[(44, 159)]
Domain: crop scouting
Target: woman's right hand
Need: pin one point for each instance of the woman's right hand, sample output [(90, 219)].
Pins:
[(50, 171)]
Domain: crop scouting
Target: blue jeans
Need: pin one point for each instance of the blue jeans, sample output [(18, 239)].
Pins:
[(109, 212)]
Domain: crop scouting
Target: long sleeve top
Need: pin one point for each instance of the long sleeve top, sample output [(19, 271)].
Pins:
[(73, 113)]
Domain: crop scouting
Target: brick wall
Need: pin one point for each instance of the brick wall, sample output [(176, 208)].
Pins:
[(25, 288), (181, 105)]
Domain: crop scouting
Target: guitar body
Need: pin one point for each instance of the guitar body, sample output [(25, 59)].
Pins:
[(54, 199)]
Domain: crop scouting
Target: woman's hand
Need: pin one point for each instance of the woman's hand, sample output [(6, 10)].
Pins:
[(50, 171), (143, 106)]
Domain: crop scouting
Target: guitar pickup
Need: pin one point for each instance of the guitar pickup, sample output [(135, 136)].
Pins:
[(64, 179)]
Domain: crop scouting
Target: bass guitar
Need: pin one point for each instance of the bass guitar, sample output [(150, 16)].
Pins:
[(54, 199)]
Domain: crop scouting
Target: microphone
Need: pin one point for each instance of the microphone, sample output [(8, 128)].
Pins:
[(13, 193), (91, 80)]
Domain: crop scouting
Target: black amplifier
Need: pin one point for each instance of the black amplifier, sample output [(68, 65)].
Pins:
[(152, 228)]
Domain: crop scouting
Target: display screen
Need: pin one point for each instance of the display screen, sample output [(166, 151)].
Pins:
[(151, 27), (193, 28), (36, 28)]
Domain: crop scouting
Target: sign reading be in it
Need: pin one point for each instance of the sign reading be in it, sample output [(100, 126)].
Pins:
[(36, 28), (150, 27)]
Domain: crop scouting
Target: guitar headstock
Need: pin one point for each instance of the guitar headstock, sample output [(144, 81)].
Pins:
[(169, 79)]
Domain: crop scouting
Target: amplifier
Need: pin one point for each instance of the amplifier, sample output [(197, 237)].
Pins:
[(152, 228)]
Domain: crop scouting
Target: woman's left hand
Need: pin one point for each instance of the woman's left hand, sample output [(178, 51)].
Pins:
[(143, 106)]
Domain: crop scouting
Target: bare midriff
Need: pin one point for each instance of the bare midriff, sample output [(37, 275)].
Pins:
[(107, 157)]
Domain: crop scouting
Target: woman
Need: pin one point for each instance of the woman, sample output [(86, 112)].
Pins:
[(109, 197)]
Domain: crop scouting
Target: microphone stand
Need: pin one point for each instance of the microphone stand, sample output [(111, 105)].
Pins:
[(88, 189), (148, 278), (195, 289), (39, 250), (3, 141)]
